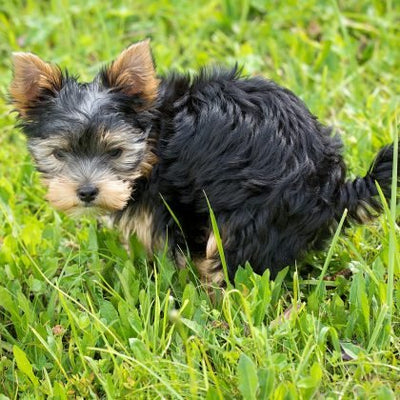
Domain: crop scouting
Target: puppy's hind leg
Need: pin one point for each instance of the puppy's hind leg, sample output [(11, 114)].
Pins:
[(209, 266)]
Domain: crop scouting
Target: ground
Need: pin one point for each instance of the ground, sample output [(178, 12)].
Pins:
[(80, 318)]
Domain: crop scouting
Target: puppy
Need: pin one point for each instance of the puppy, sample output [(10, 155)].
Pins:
[(136, 147)]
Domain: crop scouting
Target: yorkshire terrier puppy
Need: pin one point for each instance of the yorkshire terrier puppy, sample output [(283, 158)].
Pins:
[(129, 143)]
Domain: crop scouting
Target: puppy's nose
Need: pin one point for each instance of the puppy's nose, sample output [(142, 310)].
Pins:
[(88, 193)]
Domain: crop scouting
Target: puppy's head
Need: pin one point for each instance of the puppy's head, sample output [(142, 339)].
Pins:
[(89, 140)]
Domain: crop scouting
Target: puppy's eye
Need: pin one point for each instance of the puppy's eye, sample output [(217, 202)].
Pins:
[(115, 153), (59, 154)]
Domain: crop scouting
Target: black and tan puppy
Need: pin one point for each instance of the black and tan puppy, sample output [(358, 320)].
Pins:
[(128, 142)]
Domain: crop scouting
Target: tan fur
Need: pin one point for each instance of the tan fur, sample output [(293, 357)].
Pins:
[(148, 162), (117, 138), (113, 195), (140, 223), (31, 75), (210, 268), (62, 194), (211, 248), (364, 212), (133, 72), (209, 272)]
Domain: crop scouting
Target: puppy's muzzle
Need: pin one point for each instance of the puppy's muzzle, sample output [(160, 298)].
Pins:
[(87, 193)]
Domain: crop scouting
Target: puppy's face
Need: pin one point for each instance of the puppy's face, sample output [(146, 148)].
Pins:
[(89, 140)]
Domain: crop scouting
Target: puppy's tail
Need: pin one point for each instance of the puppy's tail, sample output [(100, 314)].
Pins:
[(361, 197)]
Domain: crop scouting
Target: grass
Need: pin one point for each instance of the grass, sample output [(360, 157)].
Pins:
[(80, 318)]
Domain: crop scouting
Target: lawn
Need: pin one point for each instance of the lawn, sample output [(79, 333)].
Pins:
[(81, 318)]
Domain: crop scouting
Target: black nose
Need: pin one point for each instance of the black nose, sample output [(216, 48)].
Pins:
[(88, 193)]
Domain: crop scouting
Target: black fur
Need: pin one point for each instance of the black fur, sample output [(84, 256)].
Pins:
[(273, 174)]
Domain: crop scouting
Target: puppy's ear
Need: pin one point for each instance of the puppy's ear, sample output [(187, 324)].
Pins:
[(31, 77), (133, 73)]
